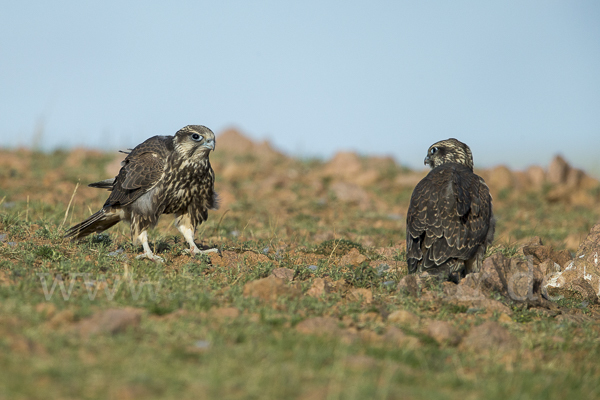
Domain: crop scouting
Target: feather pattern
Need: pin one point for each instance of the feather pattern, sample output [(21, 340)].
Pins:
[(163, 175), (449, 220)]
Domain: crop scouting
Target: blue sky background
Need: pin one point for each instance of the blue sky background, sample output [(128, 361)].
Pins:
[(519, 81)]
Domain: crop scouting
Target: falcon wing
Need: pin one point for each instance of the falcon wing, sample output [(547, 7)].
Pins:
[(448, 217), (141, 171)]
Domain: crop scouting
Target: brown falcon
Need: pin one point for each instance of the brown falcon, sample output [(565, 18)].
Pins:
[(449, 224), (163, 175)]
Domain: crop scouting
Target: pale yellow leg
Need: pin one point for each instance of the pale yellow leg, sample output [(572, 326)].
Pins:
[(184, 225), (148, 254)]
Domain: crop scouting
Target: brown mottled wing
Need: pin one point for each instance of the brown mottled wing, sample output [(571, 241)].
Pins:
[(448, 217), (141, 170)]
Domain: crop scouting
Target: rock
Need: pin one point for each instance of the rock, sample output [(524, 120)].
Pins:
[(558, 170), (574, 178), (513, 278), (269, 289), (319, 326), (489, 337), (347, 192), (343, 165), (404, 317), (571, 285), (286, 274), (353, 257), (542, 253), (536, 176), (443, 333), (397, 337), (320, 287), (233, 142), (365, 296), (111, 321), (581, 277), (500, 178), (467, 296), (411, 285)]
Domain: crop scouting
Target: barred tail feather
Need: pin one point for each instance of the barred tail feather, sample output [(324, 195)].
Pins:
[(98, 222)]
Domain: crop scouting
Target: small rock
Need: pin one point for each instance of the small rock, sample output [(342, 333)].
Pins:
[(397, 337), (116, 252), (363, 295), (574, 287), (411, 285), (536, 176), (489, 337), (351, 193), (286, 274), (269, 289), (500, 178), (312, 267), (581, 276), (320, 287), (558, 171), (202, 344), (404, 317), (111, 321), (319, 326), (443, 333), (353, 257), (3, 237)]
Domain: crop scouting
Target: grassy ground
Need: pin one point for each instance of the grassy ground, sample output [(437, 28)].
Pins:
[(196, 331)]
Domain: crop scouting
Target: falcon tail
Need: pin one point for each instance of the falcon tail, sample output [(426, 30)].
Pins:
[(97, 222), (105, 184)]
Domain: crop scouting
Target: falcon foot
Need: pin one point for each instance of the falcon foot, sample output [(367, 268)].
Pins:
[(195, 251), (151, 257)]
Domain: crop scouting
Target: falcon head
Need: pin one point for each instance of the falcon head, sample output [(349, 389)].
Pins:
[(449, 151), (194, 141)]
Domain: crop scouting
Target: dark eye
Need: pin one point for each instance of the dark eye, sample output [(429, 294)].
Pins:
[(434, 150), (196, 137)]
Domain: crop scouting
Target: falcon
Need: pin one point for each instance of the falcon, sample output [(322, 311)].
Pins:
[(163, 175), (449, 223)]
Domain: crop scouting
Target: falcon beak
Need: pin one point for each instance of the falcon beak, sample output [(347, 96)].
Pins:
[(427, 161), (209, 145)]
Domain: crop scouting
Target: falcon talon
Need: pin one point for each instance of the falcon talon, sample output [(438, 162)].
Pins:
[(151, 257), (163, 175)]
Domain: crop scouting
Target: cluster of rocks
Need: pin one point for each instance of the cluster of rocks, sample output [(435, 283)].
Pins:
[(538, 276)]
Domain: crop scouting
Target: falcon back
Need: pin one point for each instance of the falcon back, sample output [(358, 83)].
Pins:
[(163, 175), (449, 222)]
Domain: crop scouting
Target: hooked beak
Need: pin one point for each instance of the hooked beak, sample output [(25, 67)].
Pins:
[(209, 145), (427, 161)]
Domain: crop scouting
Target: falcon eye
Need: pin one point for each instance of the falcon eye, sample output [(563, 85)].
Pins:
[(196, 137), (434, 150)]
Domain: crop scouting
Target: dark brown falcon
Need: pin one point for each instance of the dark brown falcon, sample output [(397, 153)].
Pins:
[(449, 223), (163, 175)]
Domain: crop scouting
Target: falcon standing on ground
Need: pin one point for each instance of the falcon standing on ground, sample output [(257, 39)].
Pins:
[(449, 224), (163, 175)]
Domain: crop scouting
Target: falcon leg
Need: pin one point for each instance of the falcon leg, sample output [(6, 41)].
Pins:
[(184, 225), (143, 238)]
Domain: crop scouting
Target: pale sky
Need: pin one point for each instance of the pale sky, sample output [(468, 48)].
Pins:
[(518, 81)]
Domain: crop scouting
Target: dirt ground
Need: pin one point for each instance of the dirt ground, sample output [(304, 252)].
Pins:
[(312, 263)]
